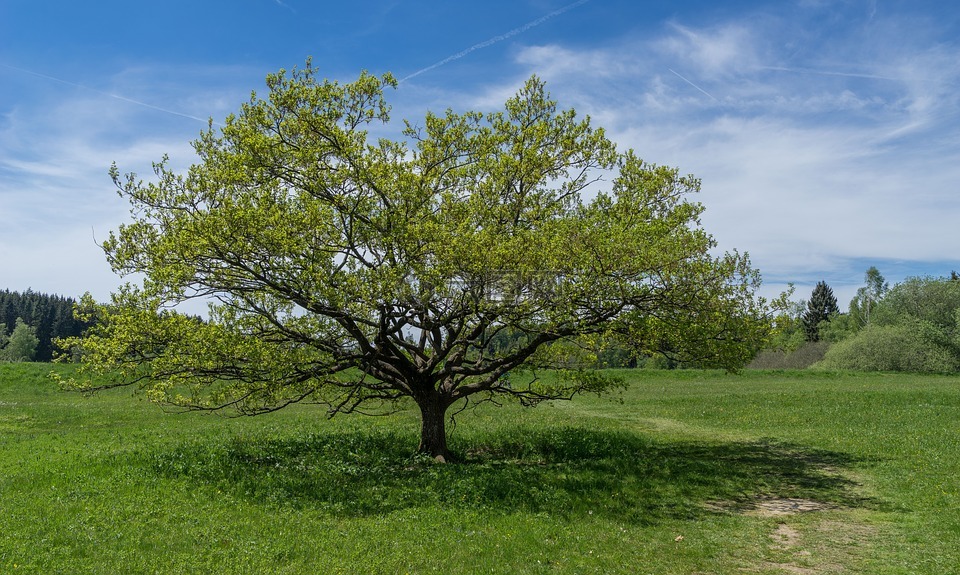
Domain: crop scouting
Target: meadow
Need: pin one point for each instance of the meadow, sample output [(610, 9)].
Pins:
[(685, 472)]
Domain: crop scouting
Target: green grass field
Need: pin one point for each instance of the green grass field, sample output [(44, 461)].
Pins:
[(687, 472)]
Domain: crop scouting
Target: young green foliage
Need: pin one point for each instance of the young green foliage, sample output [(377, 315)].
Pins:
[(344, 271), (867, 298), (21, 345)]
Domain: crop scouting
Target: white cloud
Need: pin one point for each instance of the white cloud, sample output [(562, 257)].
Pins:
[(814, 168), (712, 53), (817, 151), (56, 197)]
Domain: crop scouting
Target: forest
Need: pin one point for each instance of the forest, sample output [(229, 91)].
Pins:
[(31, 322)]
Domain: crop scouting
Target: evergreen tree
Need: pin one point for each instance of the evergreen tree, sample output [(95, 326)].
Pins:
[(821, 306)]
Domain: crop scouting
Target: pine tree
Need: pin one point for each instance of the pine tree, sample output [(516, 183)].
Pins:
[(821, 306)]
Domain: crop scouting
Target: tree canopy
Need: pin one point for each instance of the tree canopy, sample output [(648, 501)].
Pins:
[(349, 272)]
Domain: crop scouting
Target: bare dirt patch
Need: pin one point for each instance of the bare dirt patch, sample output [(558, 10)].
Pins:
[(772, 507), (785, 537), (785, 506), (803, 546)]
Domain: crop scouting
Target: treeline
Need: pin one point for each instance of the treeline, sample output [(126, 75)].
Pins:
[(913, 326), (44, 317)]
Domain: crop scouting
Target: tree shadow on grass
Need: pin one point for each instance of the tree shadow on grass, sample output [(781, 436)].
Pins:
[(561, 471)]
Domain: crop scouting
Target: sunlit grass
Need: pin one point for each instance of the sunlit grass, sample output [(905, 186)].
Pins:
[(668, 477)]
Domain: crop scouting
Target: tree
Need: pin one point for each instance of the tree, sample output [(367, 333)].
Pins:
[(22, 343), (821, 306), (869, 295), (916, 327), (352, 273)]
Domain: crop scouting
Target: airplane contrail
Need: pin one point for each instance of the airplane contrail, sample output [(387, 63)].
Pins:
[(829, 73), (677, 74), (495, 39), (108, 94)]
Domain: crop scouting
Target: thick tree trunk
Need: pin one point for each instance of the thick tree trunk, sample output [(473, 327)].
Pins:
[(433, 433)]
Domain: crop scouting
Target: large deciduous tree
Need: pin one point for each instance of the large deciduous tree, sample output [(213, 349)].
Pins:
[(347, 271)]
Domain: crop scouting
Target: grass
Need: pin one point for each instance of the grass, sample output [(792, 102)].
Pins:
[(686, 472)]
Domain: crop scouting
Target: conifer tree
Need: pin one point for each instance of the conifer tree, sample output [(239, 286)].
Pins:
[(821, 306)]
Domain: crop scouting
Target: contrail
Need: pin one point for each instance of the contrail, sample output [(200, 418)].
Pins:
[(677, 74), (495, 39), (828, 73), (108, 94)]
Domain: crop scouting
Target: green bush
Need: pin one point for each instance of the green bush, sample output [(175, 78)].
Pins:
[(801, 358), (901, 347)]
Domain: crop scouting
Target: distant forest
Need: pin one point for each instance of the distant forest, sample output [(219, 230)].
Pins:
[(51, 316)]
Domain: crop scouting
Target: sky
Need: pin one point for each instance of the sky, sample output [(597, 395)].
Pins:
[(826, 133)]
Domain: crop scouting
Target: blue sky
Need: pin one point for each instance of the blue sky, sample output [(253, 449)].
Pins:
[(826, 133)]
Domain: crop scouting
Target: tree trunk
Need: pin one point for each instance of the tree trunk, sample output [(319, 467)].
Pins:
[(433, 433)]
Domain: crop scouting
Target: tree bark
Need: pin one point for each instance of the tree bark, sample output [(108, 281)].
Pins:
[(433, 433)]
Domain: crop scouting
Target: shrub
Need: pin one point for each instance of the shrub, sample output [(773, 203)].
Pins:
[(901, 347), (801, 358)]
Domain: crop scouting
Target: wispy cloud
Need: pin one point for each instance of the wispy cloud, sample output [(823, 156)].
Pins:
[(835, 143), (107, 94), (798, 165), (55, 153), (714, 52)]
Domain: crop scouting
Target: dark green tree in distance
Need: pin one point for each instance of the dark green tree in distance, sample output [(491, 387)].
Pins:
[(445, 267), (822, 305)]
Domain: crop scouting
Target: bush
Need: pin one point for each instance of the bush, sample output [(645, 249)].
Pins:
[(901, 347), (801, 358)]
